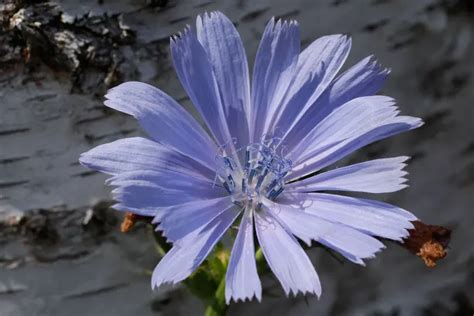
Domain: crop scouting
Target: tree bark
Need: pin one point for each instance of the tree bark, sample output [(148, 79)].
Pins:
[(61, 252)]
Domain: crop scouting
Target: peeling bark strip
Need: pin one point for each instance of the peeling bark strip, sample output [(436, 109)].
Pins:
[(88, 47), (429, 242)]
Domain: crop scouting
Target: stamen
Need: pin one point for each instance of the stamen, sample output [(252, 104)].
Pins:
[(274, 194), (231, 182), (228, 163), (226, 186), (260, 180), (252, 174), (244, 185), (261, 162)]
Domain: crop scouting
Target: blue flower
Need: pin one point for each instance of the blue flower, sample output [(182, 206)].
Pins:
[(259, 162)]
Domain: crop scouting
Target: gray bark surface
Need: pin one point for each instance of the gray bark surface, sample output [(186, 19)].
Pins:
[(61, 252)]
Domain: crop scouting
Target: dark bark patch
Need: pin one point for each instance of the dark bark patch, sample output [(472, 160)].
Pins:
[(88, 47)]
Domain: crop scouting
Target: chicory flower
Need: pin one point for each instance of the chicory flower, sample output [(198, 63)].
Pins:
[(259, 160)]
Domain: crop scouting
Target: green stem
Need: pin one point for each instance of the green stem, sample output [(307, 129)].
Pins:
[(261, 265), (217, 305)]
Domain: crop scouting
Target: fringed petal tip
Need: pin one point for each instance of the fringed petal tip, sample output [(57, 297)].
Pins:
[(159, 228), (229, 298), (120, 207), (416, 122), (288, 292), (210, 15), (295, 292), (175, 38), (83, 159), (278, 24), (87, 160), (361, 261), (373, 64), (94, 159), (112, 91), (360, 258), (163, 275), (156, 284), (110, 181), (346, 41), (404, 234)]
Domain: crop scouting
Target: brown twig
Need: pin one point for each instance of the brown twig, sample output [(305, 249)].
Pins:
[(429, 242), (131, 219)]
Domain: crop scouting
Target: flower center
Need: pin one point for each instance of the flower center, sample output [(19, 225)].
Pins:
[(258, 173)]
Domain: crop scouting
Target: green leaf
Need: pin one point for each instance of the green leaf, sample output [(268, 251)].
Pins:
[(217, 306)]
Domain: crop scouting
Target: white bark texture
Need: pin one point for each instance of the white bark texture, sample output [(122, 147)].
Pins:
[(65, 255)]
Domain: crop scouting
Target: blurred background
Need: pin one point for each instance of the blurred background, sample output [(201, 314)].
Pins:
[(61, 250)]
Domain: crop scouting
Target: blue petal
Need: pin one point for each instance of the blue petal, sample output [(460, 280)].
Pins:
[(242, 281), (284, 255), (357, 123), (371, 217), (137, 153), (196, 74), (351, 243), (226, 54), (317, 66), (150, 189), (274, 68), (373, 176), (163, 119), (190, 252), (350, 120), (363, 79), (178, 221)]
